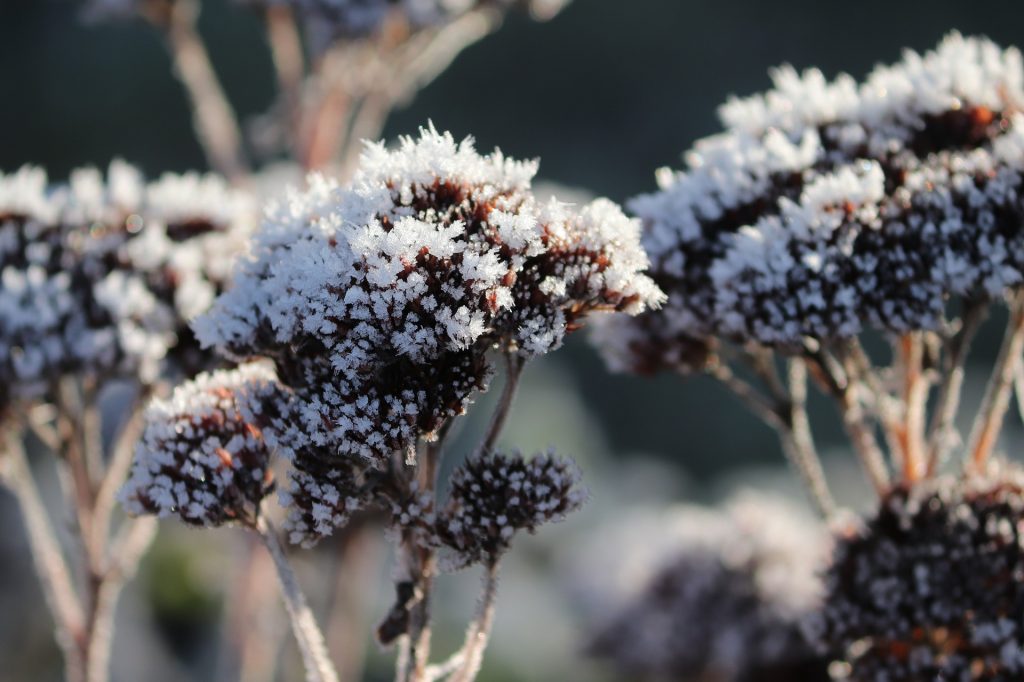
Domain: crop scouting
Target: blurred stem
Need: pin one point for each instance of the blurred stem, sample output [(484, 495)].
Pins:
[(214, 120), (479, 631), (54, 577), (133, 541), (947, 404), (989, 421), (837, 382), (786, 412), (310, 640), (910, 433), (289, 66)]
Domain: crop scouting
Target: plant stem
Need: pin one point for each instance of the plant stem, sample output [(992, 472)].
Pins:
[(951, 388), (289, 66), (514, 370), (989, 421), (479, 630), (310, 640), (214, 120), (54, 577), (787, 415)]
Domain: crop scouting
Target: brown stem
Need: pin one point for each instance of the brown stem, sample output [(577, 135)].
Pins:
[(915, 398), (989, 421), (947, 403), (214, 120)]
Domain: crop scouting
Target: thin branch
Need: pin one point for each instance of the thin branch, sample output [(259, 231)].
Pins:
[(862, 436), (47, 556), (479, 630), (116, 472), (942, 429), (214, 120), (514, 371), (798, 442), (310, 640), (985, 430), (915, 398), (131, 544)]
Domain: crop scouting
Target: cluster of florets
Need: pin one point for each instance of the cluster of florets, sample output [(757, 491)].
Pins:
[(931, 587), (100, 277), (204, 456), (731, 603), (494, 496), (379, 301), (829, 207)]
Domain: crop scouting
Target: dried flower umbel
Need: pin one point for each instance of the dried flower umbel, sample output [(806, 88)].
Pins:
[(381, 305), (98, 280), (729, 603), (828, 211)]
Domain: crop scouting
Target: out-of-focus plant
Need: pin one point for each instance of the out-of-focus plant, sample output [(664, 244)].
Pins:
[(829, 214), (99, 277)]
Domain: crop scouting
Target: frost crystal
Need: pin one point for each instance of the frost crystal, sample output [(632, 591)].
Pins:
[(931, 587), (100, 276), (379, 301), (494, 496), (730, 605), (829, 207), (203, 456)]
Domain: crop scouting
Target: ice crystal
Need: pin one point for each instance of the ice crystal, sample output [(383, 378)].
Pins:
[(203, 456)]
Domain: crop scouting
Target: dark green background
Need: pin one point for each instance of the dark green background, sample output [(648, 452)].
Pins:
[(605, 93)]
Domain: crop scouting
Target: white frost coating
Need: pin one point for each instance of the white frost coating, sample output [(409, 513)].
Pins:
[(201, 456), (101, 274)]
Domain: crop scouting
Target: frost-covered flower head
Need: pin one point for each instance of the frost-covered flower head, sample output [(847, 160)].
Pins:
[(829, 207), (931, 586), (730, 603), (494, 496), (203, 456), (379, 301), (100, 275)]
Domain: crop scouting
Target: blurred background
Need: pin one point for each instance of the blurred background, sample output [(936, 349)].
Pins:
[(604, 94)]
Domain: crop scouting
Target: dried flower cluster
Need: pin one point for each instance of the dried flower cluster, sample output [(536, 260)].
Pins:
[(379, 301), (932, 586), (496, 495), (830, 207), (730, 605), (203, 456), (100, 277)]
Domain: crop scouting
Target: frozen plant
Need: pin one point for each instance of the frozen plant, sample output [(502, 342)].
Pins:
[(730, 601), (382, 305), (832, 211), (98, 280)]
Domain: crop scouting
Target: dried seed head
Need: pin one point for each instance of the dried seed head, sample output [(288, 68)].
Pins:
[(100, 276), (203, 456), (494, 496), (380, 301), (830, 207), (729, 605), (931, 586)]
